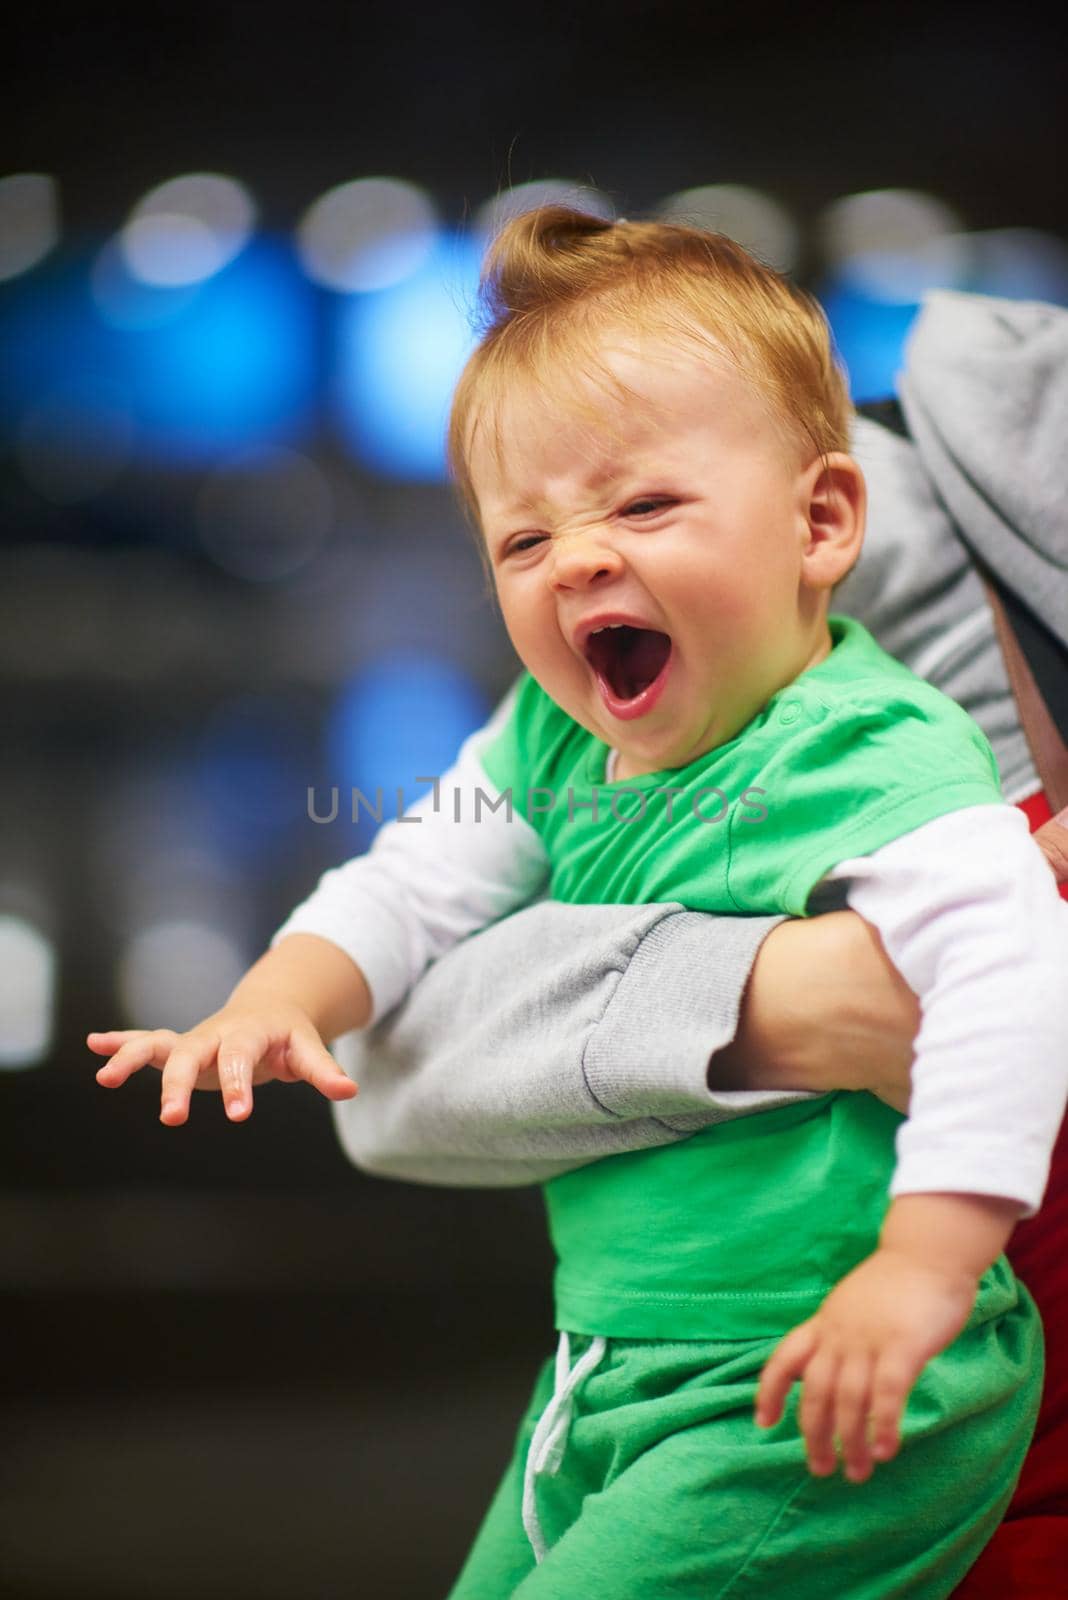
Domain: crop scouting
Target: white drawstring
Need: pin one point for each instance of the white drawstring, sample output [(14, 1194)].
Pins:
[(550, 1436)]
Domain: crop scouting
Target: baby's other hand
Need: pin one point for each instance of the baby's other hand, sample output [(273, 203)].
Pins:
[(228, 1052), (860, 1355)]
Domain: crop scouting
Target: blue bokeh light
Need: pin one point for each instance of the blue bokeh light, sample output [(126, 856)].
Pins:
[(402, 717), (253, 766), (398, 353), (203, 371), (870, 335)]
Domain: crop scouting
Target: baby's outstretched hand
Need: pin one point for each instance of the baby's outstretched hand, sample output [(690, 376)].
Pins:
[(860, 1355), (228, 1052)]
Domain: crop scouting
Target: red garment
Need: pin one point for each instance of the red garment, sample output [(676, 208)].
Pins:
[(1027, 1559)]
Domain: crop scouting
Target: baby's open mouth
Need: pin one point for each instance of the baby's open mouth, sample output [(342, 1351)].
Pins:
[(628, 659)]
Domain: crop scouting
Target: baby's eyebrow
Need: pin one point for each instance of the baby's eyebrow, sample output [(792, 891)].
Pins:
[(604, 476), (597, 479)]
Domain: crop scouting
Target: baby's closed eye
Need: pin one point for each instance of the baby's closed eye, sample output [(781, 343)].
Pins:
[(647, 505)]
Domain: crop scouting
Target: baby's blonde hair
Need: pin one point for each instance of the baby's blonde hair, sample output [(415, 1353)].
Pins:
[(555, 280)]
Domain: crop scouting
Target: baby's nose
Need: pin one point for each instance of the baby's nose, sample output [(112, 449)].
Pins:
[(582, 557)]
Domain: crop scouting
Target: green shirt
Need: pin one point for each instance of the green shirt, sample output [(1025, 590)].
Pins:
[(742, 1229)]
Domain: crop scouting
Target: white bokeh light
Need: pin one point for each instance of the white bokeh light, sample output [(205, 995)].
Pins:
[(367, 234), (29, 221), (748, 216), (187, 229), (174, 973), (893, 244), (127, 302), (27, 992)]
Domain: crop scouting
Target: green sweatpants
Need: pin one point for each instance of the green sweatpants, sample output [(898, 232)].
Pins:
[(667, 1490)]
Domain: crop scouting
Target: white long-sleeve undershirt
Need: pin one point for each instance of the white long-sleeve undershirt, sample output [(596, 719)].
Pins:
[(965, 905), (428, 882), (968, 912)]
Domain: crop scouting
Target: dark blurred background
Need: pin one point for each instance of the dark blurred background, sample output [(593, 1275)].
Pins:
[(238, 253)]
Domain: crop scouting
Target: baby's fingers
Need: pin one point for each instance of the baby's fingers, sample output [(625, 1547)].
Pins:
[(105, 1044), (852, 1407), (191, 1055), (787, 1362), (815, 1415), (894, 1377), (129, 1052), (309, 1059), (239, 1055)]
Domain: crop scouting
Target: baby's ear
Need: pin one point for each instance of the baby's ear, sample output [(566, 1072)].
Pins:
[(835, 501)]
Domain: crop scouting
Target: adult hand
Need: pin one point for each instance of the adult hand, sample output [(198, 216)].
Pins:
[(1052, 840), (824, 1009)]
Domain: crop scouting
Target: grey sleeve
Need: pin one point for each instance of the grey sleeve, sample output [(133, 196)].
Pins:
[(556, 1036)]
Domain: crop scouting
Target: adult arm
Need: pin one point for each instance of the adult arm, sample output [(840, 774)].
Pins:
[(566, 1033)]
